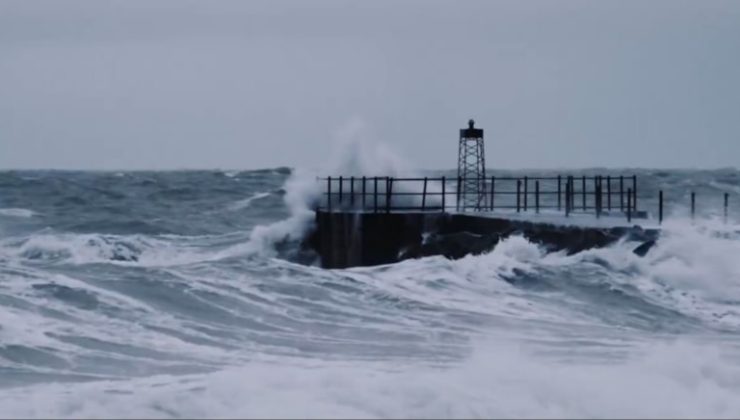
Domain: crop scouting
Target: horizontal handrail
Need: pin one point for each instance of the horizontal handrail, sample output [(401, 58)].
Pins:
[(569, 194)]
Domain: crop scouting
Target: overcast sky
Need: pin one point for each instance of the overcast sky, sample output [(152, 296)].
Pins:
[(240, 84)]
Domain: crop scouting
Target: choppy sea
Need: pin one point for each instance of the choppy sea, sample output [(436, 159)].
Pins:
[(186, 294)]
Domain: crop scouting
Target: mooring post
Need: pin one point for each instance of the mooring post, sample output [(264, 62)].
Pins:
[(693, 204), (389, 194), (629, 205), (526, 184), (352, 191), (364, 191), (727, 202), (634, 191), (518, 191), (621, 192), (493, 190), (328, 194), (583, 190), (424, 196), (609, 192), (444, 182), (537, 196), (375, 194), (559, 192), (660, 207)]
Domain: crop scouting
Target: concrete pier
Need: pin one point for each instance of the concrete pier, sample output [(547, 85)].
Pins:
[(351, 238)]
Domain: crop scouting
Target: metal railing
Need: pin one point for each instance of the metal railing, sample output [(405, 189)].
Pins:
[(571, 194), (595, 194)]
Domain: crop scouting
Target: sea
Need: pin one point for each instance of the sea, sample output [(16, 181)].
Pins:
[(187, 294)]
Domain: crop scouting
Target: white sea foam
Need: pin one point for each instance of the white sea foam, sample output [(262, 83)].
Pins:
[(13, 212), (501, 379), (245, 203)]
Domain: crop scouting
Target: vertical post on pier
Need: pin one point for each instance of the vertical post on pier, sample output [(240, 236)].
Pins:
[(537, 196), (493, 190), (424, 196), (567, 197), (364, 191), (609, 193), (444, 194), (518, 192), (693, 204), (459, 187), (583, 186), (660, 207), (597, 197), (634, 192), (559, 193), (341, 184), (328, 194), (352, 191), (388, 194), (629, 205), (621, 192), (526, 188), (596, 193), (375, 194), (727, 202)]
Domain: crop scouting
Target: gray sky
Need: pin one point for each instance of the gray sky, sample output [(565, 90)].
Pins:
[(240, 84)]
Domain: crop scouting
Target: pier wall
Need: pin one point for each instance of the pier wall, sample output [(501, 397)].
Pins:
[(348, 239)]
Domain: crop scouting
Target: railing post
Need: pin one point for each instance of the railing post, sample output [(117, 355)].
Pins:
[(693, 204), (341, 184), (634, 191), (609, 193), (621, 192), (328, 194), (424, 196), (567, 197), (459, 194), (660, 207), (559, 192), (352, 191), (526, 192), (364, 191), (597, 197), (518, 192), (388, 194), (596, 194), (493, 190), (583, 186), (537, 196), (444, 194), (375, 195), (727, 202), (629, 205)]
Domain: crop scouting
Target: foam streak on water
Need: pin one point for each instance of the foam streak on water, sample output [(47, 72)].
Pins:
[(187, 294)]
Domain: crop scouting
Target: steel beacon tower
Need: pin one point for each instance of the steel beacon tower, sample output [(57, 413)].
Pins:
[(471, 169)]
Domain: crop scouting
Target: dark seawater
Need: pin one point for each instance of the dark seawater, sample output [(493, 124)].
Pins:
[(186, 294)]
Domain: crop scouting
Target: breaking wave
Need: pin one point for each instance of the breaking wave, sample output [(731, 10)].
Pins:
[(212, 320)]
